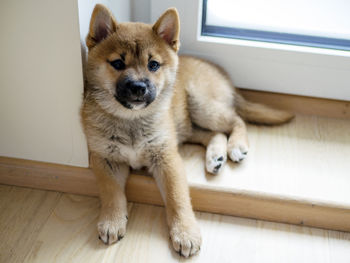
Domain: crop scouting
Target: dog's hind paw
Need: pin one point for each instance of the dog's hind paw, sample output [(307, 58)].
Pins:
[(237, 153), (215, 162), (216, 154)]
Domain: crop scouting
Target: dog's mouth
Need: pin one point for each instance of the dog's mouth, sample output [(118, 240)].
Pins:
[(133, 104), (138, 104)]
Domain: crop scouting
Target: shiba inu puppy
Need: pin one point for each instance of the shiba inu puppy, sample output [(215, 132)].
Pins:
[(141, 101)]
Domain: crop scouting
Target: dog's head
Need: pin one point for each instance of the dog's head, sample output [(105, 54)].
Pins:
[(131, 66)]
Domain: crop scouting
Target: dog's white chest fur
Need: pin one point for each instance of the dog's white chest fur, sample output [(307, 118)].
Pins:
[(129, 142), (132, 156)]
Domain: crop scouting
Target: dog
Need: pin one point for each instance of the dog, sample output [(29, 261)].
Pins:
[(141, 101)]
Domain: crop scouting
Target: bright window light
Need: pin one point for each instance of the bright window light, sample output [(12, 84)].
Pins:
[(313, 22)]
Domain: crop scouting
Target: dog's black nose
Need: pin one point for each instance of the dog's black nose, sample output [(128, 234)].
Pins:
[(137, 88)]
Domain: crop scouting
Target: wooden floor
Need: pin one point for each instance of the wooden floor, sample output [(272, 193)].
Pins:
[(45, 226)]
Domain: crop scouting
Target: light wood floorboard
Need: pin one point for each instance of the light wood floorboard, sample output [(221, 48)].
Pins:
[(23, 213), (43, 226)]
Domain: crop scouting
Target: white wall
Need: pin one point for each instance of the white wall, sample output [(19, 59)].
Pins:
[(141, 11), (41, 82)]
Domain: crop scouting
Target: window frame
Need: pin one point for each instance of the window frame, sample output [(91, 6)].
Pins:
[(268, 36)]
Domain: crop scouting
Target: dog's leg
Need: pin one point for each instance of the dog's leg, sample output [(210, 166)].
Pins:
[(111, 178), (216, 143), (201, 136), (171, 180), (237, 147)]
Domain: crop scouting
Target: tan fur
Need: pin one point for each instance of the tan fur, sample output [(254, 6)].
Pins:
[(195, 102), (261, 114)]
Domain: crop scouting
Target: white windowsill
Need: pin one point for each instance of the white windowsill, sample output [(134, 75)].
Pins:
[(274, 46)]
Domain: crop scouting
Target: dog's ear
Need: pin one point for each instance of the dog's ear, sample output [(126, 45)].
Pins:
[(102, 24), (168, 28)]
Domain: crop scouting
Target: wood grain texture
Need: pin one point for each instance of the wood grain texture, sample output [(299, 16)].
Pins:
[(69, 235), (23, 213), (300, 104), (295, 173), (69, 232)]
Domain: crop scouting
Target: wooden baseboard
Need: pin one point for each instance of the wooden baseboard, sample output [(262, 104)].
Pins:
[(143, 189), (300, 104)]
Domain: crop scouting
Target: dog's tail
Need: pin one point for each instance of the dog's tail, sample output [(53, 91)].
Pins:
[(260, 114)]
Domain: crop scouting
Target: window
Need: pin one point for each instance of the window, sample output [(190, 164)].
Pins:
[(315, 23)]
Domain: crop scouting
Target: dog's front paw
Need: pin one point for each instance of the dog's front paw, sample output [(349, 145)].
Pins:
[(186, 239), (237, 152), (111, 228)]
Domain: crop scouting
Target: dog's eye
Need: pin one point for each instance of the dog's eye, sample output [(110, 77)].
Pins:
[(118, 64), (153, 65)]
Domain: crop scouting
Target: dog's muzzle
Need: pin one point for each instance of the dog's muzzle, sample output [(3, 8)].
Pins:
[(135, 94)]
